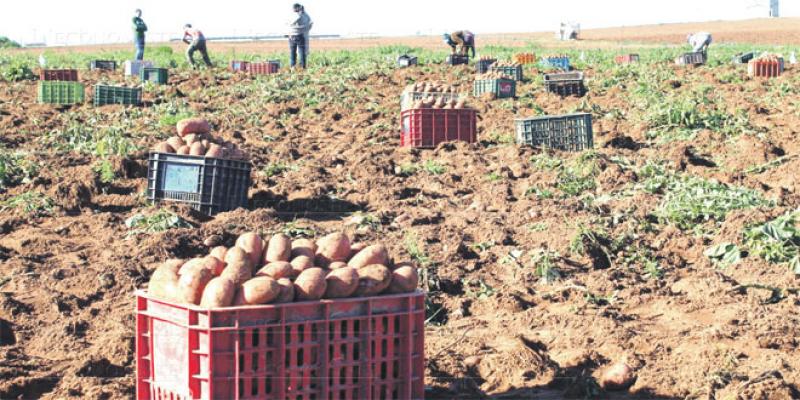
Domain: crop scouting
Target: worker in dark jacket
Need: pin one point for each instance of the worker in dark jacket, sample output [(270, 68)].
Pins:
[(139, 28), (461, 42)]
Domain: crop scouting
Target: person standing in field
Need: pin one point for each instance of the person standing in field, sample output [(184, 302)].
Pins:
[(197, 42), (299, 28), (699, 41), (139, 28)]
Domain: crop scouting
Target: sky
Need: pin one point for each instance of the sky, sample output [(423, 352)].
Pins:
[(102, 21)]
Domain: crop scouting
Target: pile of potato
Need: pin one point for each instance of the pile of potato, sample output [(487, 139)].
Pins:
[(505, 64), (440, 103), (194, 138), (255, 272), (431, 87), (491, 75), (770, 57)]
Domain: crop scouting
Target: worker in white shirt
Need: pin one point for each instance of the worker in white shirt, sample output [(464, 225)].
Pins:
[(699, 41)]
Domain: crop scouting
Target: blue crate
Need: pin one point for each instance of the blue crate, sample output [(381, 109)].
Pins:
[(556, 62)]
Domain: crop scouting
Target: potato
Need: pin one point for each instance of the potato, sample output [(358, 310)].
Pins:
[(192, 139), (252, 244), (176, 142), (333, 247), (404, 280), (215, 151), (164, 281), (191, 285), (259, 290), (235, 254), (341, 283), (191, 265), (619, 376), (197, 149), (375, 254), (310, 284), (276, 270), (279, 248), (219, 253), (337, 265), (301, 264), (304, 247), (183, 150), (240, 271), (356, 247), (215, 264), (372, 280), (164, 147), (287, 291), (193, 125), (219, 292)]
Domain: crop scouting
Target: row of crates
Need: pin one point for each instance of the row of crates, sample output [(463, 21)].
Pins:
[(67, 92), (145, 72), (256, 68)]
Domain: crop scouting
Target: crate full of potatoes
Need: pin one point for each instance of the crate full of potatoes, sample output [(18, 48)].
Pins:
[(423, 90), (196, 168), (278, 318), (511, 69)]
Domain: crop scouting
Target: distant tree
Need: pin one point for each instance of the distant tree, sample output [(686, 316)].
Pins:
[(6, 43)]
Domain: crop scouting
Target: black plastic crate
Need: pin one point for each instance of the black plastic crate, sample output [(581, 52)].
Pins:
[(482, 66), (406, 61), (743, 58), (105, 94), (571, 132), (515, 72), (106, 65), (457, 59), (155, 75), (209, 185), (565, 84)]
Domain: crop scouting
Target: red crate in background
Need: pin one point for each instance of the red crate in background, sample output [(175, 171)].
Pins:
[(360, 348), (239, 66), (58, 75), (627, 59), (428, 127), (264, 68), (765, 68)]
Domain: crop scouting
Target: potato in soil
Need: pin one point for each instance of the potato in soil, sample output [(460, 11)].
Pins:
[(259, 290), (341, 283), (310, 284)]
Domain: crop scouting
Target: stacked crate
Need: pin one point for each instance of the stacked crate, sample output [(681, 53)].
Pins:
[(482, 66), (63, 75), (501, 87), (512, 71), (59, 86)]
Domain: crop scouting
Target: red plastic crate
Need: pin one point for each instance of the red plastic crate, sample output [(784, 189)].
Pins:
[(58, 75), (765, 68), (428, 127), (362, 348), (264, 68), (627, 59)]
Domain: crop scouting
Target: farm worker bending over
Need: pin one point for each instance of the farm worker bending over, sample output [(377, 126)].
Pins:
[(464, 41), (299, 27), (699, 41), (197, 42), (139, 28)]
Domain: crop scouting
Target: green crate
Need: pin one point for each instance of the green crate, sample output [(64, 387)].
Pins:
[(105, 94), (155, 75), (60, 92), (502, 88), (513, 72)]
